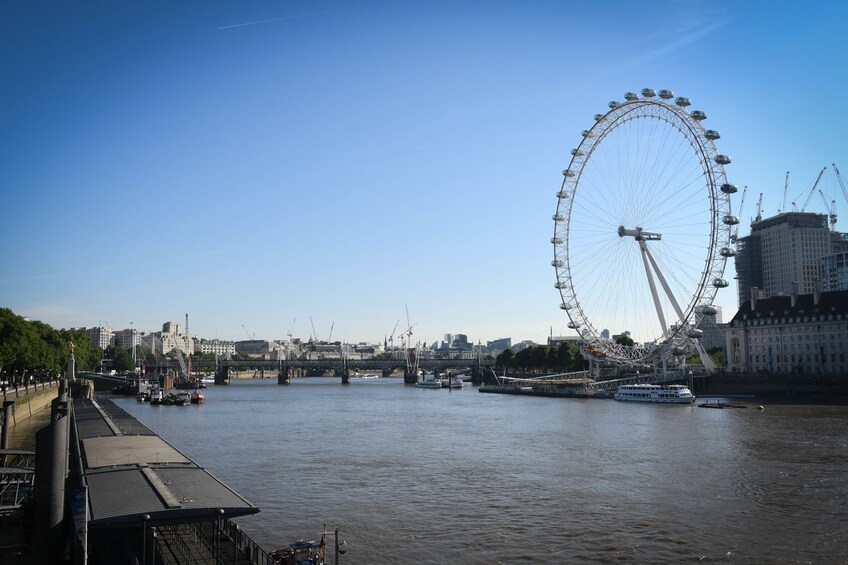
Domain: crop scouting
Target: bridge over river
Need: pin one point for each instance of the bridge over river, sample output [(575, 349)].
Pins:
[(341, 367)]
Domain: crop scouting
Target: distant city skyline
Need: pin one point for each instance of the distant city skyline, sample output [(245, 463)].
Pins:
[(258, 164)]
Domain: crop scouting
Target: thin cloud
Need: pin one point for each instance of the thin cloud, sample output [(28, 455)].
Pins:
[(101, 268), (685, 38), (296, 16)]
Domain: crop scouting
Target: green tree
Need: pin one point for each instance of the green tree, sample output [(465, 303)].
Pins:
[(580, 363), (552, 361), (539, 356), (523, 359), (37, 347), (624, 340), (565, 356), (504, 359), (123, 361)]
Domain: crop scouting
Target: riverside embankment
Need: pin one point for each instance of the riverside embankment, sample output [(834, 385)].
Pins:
[(30, 399)]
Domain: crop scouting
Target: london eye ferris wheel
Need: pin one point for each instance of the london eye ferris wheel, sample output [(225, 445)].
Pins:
[(642, 229)]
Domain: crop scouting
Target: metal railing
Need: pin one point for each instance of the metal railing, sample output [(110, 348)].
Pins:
[(199, 542)]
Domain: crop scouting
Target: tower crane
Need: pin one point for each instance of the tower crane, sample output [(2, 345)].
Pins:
[(408, 331), (785, 190), (812, 190), (291, 329), (392, 335), (841, 183), (735, 234), (330, 338), (830, 209), (249, 336), (314, 335), (759, 216)]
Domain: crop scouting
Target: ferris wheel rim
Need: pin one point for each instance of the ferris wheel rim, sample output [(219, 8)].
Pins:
[(712, 166)]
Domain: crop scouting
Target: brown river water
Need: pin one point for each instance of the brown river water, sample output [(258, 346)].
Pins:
[(435, 476)]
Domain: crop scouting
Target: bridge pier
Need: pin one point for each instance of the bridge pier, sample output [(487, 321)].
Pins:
[(409, 378), (222, 375), (387, 373), (476, 376), (283, 376), (345, 376)]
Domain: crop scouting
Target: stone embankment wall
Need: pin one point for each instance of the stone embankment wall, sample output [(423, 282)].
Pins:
[(31, 399), (800, 389)]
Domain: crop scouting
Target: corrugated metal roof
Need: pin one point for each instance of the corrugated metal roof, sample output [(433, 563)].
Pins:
[(133, 476)]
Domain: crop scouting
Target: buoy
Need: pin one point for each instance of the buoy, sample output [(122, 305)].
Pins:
[(760, 407)]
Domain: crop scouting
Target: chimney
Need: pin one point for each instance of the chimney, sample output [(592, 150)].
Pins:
[(794, 296), (817, 290), (755, 294)]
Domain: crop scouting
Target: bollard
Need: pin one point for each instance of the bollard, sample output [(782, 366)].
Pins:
[(8, 412), (51, 468)]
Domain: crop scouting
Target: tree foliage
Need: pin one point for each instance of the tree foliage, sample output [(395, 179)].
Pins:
[(624, 340), (564, 358), (32, 346)]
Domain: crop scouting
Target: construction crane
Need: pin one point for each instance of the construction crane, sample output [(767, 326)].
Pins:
[(249, 336), (291, 329), (314, 335), (759, 216), (391, 339), (330, 338), (841, 183), (735, 234), (408, 331), (785, 190), (812, 190), (829, 208)]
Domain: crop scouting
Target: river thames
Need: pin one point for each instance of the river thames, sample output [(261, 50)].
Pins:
[(435, 476)]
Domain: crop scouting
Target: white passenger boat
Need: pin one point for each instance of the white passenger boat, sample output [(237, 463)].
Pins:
[(429, 383), (670, 394)]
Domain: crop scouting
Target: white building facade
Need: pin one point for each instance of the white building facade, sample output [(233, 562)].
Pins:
[(804, 334), (217, 347)]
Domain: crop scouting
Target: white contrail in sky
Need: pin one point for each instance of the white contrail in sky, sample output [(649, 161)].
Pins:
[(279, 19)]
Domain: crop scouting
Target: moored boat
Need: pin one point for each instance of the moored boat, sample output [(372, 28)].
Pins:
[(156, 397), (667, 394), (197, 397), (429, 382), (182, 399)]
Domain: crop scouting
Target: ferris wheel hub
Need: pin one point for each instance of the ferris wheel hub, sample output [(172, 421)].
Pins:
[(638, 233)]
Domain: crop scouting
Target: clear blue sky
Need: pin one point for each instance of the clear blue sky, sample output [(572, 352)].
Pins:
[(253, 163)]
